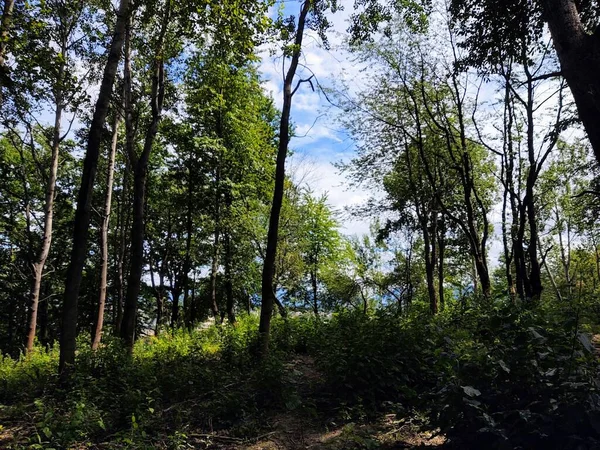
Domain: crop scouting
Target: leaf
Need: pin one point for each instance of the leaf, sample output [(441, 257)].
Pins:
[(504, 366), (471, 391), (585, 341), (536, 334)]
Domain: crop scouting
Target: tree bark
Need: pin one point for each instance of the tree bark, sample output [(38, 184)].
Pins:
[(268, 293), (110, 171), (579, 56), (5, 25), (229, 280), (84, 199), (139, 189), (176, 293), (441, 230), (40, 262), (429, 241), (187, 313), (122, 226), (214, 267), (314, 285)]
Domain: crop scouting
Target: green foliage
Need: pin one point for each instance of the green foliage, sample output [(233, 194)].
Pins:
[(206, 378), (495, 373)]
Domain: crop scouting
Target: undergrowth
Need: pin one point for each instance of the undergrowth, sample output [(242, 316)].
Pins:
[(495, 375)]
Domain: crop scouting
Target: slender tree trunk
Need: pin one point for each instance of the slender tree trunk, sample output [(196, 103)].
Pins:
[(268, 293), (313, 282), (139, 188), (214, 306), (563, 252), (408, 277), (507, 181), (217, 236), (5, 26), (535, 271), (281, 308), (550, 275), (441, 260), (430, 267), (229, 280), (43, 313), (130, 132), (158, 292), (475, 277), (579, 56), (187, 313), (121, 254), (176, 293), (40, 262), (84, 200), (194, 306), (110, 172), (161, 292)]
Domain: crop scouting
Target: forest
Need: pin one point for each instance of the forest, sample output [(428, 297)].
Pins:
[(292, 224)]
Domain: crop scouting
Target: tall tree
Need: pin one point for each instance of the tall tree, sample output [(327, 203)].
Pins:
[(63, 90), (5, 24), (140, 173), (493, 32), (294, 51), (84, 199), (110, 172)]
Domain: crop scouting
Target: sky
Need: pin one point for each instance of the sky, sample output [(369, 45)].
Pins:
[(320, 141)]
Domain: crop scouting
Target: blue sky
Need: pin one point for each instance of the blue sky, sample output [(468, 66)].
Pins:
[(320, 140)]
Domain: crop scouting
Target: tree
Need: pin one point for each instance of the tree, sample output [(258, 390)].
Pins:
[(495, 32), (311, 16), (5, 25), (321, 243), (414, 131), (83, 212), (65, 89), (140, 168), (110, 172)]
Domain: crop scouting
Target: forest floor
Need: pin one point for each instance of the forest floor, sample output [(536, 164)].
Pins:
[(302, 425), (305, 426)]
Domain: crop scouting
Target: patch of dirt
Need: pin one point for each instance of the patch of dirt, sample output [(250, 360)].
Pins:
[(300, 428)]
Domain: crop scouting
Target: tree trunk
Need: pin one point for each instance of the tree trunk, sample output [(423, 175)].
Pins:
[(229, 280), (139, 189), (579, 56), (44, 335), (193, 303), (84, 200), (535, 271), (122, 226), (110, 171), (5, 25), (430, 266), (313, 282), (176, 293), (38, 265), (507, 171), (214, 306), (187, 313), (268, 293), (441, 258)]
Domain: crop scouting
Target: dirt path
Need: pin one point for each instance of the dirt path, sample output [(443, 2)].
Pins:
[(300, 427)]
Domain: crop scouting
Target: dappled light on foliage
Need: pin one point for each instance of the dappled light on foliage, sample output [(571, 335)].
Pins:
[(312, 224)]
